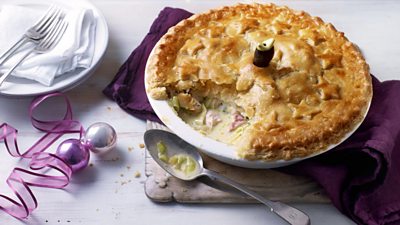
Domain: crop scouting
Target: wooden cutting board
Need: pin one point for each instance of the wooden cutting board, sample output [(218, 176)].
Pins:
[(161, 187)]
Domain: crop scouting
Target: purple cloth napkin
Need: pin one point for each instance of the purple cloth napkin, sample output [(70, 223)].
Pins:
[(127, 87), (361, 176)]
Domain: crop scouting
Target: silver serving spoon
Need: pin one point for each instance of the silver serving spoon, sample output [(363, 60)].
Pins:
[(176, 145)]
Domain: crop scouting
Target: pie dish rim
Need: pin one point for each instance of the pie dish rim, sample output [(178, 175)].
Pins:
[(222, 151), (219, 150)]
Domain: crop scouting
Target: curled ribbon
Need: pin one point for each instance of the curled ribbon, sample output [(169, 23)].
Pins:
[(20, 180)]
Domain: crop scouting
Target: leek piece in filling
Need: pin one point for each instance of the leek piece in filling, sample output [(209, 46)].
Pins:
[(162, 151), (181, 163), (218, 120)]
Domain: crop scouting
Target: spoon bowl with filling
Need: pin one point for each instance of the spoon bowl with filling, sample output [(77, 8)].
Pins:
[(182, 160)]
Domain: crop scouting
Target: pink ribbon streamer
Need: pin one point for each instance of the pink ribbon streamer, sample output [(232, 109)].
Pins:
[(20, 180)]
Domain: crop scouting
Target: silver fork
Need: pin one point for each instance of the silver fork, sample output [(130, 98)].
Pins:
[(36, 32), (48, 42)]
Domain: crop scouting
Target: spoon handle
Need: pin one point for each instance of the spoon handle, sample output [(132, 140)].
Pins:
[(286, 212)]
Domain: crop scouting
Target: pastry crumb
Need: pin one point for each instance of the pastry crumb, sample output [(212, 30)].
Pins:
[(137, 174), (141, 145), (115, 159), (130, 149), (162, 184)]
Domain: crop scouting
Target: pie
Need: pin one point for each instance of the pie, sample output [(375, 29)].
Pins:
[(314, 91)]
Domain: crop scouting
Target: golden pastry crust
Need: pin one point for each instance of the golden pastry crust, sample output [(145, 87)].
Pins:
[(316, 89)]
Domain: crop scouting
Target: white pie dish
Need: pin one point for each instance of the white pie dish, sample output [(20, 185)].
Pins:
[(19, 87), (219, 150)]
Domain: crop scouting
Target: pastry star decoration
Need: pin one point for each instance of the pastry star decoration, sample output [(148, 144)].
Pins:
[(303, 110)]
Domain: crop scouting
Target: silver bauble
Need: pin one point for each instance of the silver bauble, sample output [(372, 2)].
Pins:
[(101, 137)]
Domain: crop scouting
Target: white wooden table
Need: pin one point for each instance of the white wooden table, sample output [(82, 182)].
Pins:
[(108, 192)]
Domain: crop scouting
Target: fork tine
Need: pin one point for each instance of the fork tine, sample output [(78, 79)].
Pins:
[(57, 14), (51, 30), (54, 35), (58, 34), (45, 17), (51, 13)]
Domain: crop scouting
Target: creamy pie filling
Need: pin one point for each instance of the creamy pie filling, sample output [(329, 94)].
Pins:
[(217, 119), (316, 88)]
